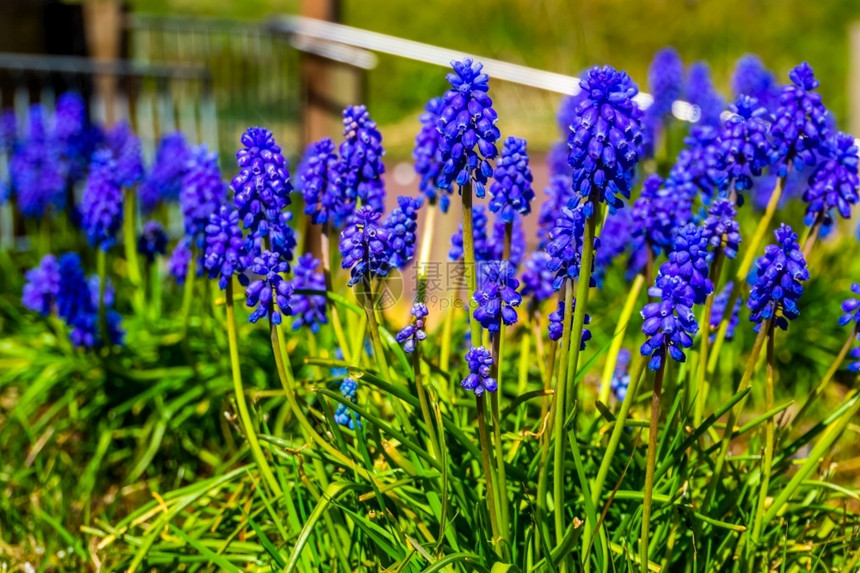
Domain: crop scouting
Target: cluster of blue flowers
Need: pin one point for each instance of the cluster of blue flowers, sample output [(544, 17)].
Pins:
[(400, 225), (480, 363), (343, 415), (309, 309), (467, 123), (164, 180), (512, 181), (851, 310), (61, 288), (101, 207), (780, 275), (152, 241), (365, 247), (497, 295), (413, 333)]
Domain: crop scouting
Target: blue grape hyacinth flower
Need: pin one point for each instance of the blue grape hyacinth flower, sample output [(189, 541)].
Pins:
[(224, 253), (361, 165), (321, 180), (42, 286), (556, 324), (834, 183), (126, 149), (690, 260), (180, 258), (262, 191), (152, 241), (752, 78), (669, 322), (497, 295), (309, 309), (606, 139), (164, 181), (850, 308), (658, 212), (271, 293), (203, 192), (479, 380), (780, 275), (414, 332), (746, 149), (401, 225), (721, 228), (365, 247), (697, 170), (428, 156), (511, 190), (37, 170), (666, 81), (558, 195), (802, 122), (620, 381), (102, 203), (565, 245), (467, 123), (702, 94), (345, 416), (537, 278)]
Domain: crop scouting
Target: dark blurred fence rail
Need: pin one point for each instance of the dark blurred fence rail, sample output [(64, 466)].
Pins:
[(155, 99)]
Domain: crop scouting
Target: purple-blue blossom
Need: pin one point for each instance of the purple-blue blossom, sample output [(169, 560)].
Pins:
[(400, 226), (152, 241), (203, 192), (225, 251), (309, 309), (102, 203), (605, 139), (38, 172), (752, 79), (565, 245), (271, 293), (164, 181), (361, 152), (780, 274), (511, 189), (745, 148), (262, 191), (833, 185), (42, 286), (126, 149), (480, 363), (556, 324), (536, 278), (669, 322), (365, 247), (428, 155), (483, 250), (721, 228), (658, 212), (558, 195), (802, 122), (690, 260), (414, 332), (320, 180), (850, 308), (467, 123), (702, 93), (497, 295), (621, 375)]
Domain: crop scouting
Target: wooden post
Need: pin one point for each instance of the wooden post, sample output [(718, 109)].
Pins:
[(854, 78), (317, 121), (103, 24)]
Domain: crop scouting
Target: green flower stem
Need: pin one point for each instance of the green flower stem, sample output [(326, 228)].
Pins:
[(469, 261), (812, 462), (557, 416), (770, 433), (132, 260), (101, 265), (244, 415), (435, 451), (285, 373), (705, 335), (615, 439), (498, 348), (812, 235), (734, 413), (741, 277), (188, 291), (337, 325), (618, 337), (651, 462), (550, 370), (488, 471), (828, 376), (579, 312), (447, 329)]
